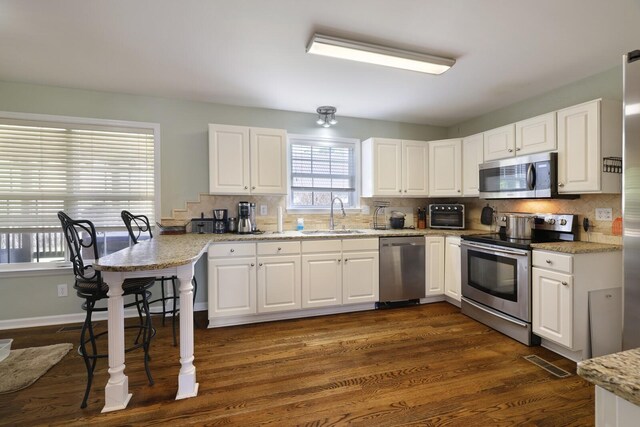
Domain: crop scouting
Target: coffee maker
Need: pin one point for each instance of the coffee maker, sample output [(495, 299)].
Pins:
[(219, 221), (244, 218)]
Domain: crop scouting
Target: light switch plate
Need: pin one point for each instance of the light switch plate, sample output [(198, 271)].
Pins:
[(604, 214)]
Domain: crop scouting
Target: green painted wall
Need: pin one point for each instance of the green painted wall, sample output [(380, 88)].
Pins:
[(604, 85)]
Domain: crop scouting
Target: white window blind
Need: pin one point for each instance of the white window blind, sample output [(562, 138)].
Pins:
[(89, 171), (321, 169)]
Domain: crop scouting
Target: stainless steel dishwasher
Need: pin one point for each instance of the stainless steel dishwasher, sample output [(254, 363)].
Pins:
[(402, 269)]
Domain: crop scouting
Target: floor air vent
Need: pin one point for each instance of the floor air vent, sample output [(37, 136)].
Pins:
[(549, 367)]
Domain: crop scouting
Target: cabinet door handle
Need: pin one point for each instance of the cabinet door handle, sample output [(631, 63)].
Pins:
[(232, 250), (246, 188), (399, 191), (548, 261), (279, 249), (517, 149), (405, 191), (458, 191), (346, 259), (564, 283), (259, 265), (339, 261), (252, 264), (510, 150), (253, 188), (560, 184)]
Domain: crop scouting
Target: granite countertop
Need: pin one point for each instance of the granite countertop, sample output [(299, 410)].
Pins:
[(325, 234), (576, 247), (166, 251), (618, 373)]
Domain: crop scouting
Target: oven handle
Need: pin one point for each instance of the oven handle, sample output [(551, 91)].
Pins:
[(495, 313), (493, 249)]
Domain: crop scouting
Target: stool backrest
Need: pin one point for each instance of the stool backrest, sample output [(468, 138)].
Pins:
[(80, 235), (136, 225)]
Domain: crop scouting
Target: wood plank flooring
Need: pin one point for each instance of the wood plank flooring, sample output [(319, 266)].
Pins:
[(424, 365)]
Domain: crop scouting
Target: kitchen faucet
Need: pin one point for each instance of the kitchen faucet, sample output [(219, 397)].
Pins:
[(344, 214)]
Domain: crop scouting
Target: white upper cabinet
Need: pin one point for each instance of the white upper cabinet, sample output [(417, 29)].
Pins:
[(414, 168), (445, 168), (500, 143), (536, 135), (394, 168), (244, 160), (472, 157), (588, 133)]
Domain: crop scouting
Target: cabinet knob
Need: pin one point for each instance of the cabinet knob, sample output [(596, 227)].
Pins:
[(405, 191), (339, 261), (517, 149), (560, 184), (458, 191), (399, 191), (252, 264), (346, 259), (548, 261), (279, 249), (232, 250), (564, 283), (259, 265), (246, 188), (510, 150), (253, 188)]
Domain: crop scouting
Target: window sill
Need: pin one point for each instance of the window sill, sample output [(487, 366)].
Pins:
[(8, 270)]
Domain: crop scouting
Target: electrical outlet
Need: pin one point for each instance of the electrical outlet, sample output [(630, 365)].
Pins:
[(604, 214), (62, 290), (364, 209), (263, 210)]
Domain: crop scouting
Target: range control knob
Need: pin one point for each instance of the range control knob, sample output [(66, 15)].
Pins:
[(563, 221), (551, 221)]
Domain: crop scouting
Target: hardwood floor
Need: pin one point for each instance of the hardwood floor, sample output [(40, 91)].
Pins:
[(424, 365)]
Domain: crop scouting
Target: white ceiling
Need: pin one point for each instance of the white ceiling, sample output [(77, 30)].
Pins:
[(252, 52)]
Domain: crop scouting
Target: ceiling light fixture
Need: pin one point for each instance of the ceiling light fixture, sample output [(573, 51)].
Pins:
[(380, 55), (326, 116)]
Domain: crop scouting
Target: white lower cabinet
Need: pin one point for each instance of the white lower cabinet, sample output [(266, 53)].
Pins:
[(561, 284), (452, 268), (360, 268), (614, 411), (278, 283), (434, 264), (321, 279), (251, 282), (232, 280)]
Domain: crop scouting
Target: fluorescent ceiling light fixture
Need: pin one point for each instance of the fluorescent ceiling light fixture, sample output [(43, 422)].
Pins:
[(379, 55)]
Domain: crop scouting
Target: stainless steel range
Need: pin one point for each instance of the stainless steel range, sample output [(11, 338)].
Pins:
[(496, 273)]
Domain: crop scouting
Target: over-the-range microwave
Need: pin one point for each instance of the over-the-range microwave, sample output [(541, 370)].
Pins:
[(525, 177)]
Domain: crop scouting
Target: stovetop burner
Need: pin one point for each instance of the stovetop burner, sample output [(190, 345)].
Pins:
[(547, 228)]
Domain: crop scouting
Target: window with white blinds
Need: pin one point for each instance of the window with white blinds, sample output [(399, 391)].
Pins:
[(322, 168), (90, 169)]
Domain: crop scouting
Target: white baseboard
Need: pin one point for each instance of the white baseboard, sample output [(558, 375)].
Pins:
[(63, 319)]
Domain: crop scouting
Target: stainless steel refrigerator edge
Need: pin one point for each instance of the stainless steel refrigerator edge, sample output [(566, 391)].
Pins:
[(631, 200)]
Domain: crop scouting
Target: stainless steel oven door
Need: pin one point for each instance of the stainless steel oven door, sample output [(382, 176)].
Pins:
[(497, 277)]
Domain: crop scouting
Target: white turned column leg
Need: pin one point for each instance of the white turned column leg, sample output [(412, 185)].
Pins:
[(116, 393), (187, 385)]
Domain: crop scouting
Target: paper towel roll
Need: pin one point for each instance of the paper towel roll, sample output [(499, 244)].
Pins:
[(280, 225)]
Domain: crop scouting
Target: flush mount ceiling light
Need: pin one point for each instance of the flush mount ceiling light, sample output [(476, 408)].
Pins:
[(326, 116), (380, 55)]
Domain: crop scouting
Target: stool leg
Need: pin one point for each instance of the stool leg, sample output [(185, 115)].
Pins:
[(83, 349), (147, 337), (141, 321), (195, 288), (174, 311)]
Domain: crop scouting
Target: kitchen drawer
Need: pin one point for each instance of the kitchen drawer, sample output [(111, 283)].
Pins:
[(360, 244), (553, 261), (332, 245), (234, 249), (278, 248)]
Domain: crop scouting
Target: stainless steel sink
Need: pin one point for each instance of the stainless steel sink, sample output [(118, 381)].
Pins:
[(332, 232)]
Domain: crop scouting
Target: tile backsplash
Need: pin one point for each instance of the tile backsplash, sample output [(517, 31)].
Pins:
[(584, 207)]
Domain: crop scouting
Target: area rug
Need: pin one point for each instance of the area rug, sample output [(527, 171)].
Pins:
[(24, 366)]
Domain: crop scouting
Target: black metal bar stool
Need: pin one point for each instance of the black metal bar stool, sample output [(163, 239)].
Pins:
[(137, 226), (81, 236)]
